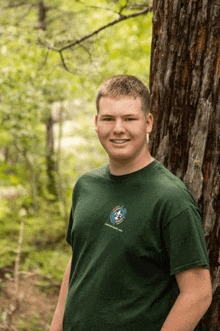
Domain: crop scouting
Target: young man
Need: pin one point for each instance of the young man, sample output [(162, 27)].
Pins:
[(139, 257)]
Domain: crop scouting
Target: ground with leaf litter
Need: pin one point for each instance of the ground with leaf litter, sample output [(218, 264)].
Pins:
[(33, 308)]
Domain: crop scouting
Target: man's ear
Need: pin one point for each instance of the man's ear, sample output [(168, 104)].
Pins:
[(96, 122), (149, 123)]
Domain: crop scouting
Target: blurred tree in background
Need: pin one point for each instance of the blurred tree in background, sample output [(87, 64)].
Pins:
[(54, 54)]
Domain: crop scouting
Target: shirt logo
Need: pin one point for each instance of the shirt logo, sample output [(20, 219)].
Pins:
[(118, 215)]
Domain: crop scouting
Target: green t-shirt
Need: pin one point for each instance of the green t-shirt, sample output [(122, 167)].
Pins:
[(130, 235)]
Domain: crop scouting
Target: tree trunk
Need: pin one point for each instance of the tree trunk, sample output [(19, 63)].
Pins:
[(42, 10), (64, 212), (50, 153), (185, 88), (50, 157)]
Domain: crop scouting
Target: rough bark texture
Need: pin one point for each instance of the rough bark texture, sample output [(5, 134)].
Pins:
[(185, 87)]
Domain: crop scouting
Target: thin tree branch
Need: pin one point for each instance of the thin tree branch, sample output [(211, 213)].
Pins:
[(63, 62), (100, 7), (123, 7), (15, 5), (17, 262), (79, 41), (44, 60), (87, 51), (137, 6)]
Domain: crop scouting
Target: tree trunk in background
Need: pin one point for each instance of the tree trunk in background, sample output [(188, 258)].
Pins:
[(42, 10), (50, 157), (185, 88), (60, 183), (50, 153)]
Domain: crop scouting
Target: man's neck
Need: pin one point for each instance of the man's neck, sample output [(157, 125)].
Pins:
[(120, 168)]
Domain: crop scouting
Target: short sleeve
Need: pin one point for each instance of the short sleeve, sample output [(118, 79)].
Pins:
[(185, 241), (69, 238), (69, 229)]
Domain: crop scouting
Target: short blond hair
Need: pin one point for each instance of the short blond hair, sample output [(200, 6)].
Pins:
[(125, 85)]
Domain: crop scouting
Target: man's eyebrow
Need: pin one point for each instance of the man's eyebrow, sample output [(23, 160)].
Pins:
[(125, 115), (106, 115)]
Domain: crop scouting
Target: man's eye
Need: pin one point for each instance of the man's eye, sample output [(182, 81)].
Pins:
[(130, 119), (107, 119)]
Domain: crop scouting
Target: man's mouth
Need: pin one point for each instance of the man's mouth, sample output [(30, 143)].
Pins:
[(119, 141)]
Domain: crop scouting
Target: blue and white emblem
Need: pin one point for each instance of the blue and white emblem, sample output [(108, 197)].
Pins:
[(118, 215)]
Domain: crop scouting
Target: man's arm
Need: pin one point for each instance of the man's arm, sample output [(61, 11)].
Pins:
[(57, 322), (193, 301)]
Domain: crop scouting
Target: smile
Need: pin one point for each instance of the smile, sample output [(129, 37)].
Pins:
[(119, 141)]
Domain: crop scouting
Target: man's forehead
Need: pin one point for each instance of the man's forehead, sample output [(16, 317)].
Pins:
[(119, 103), (115, 98)]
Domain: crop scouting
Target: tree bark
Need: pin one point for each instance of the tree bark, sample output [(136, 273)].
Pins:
[(50, 153), (50, 157), (185, 89), (42, 10)]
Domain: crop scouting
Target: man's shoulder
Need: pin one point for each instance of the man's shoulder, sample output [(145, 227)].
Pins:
[(169, 186), (96, 173), (166, 178)]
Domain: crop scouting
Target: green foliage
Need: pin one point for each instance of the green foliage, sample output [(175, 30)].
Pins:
[(44, 232), (48, 263), (5, 137), (4, 209), (45, 228), (34, 322), (32, 82), (7, 252)]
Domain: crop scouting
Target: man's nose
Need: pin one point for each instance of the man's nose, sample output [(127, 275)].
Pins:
[(119, 127)]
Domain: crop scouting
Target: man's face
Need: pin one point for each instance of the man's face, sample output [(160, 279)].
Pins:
[(121, 126)]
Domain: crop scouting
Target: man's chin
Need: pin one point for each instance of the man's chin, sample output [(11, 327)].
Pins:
[(119, 157)]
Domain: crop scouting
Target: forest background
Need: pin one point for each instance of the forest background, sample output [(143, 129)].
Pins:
[(54, 55), (48, 84)]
